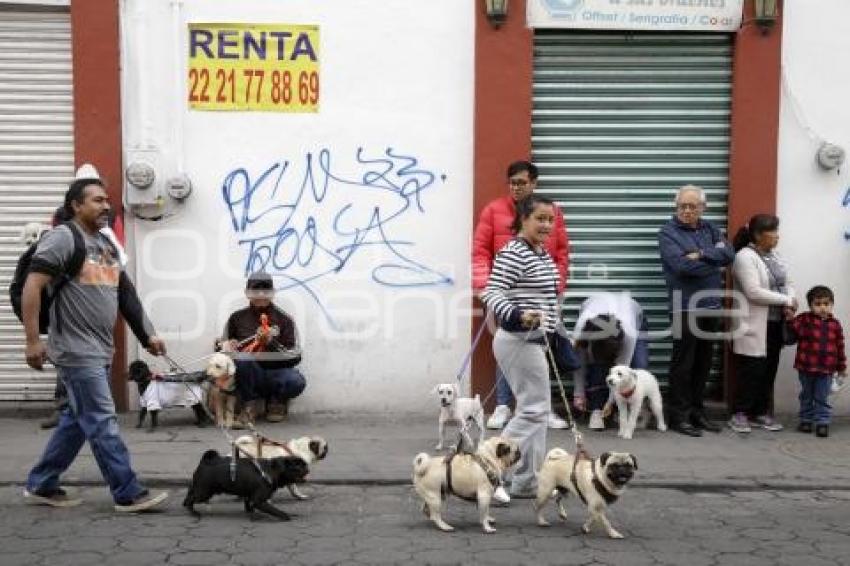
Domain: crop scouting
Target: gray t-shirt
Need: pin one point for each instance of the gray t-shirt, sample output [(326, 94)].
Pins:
[(88, 304)]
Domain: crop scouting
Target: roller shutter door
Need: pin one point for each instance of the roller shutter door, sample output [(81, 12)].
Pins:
[(620, 121), (36, 162)]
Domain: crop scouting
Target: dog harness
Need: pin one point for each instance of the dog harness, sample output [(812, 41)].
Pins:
[(597, 484), (492, 475), (238, 453)]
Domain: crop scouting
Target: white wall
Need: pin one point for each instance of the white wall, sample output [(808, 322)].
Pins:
[(815, 227), (392, 76)]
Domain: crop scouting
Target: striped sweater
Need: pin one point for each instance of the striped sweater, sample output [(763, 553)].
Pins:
[(522, 279)]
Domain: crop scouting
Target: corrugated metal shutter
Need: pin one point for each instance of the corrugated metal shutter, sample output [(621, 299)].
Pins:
[(621, 121), (36, 162)]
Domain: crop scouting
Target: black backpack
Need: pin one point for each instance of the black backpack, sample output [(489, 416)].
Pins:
[(16, 287)]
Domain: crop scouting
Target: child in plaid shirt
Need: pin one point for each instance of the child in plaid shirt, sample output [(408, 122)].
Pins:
[(820, 354)]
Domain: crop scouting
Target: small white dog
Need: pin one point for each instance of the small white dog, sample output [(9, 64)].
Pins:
[(308, 448), (466, 412), (631, 387), (32, 231)]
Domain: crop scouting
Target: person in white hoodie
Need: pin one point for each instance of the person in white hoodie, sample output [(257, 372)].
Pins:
[(610, 330)]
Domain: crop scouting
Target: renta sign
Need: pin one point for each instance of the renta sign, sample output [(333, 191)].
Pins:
[(649, 15)]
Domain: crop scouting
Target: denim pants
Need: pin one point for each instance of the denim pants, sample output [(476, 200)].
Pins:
[(814, 398), (527, 372), (504, 395), (256, 382), (89, 415)]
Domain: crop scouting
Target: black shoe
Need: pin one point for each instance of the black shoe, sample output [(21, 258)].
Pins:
[(703, 423), (687, 429), (51, 422), (822, 430), (804, 427)]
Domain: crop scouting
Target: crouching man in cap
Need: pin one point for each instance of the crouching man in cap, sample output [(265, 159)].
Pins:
[(267, 351)]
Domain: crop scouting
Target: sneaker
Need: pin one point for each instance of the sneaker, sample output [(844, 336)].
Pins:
[(739, 423), (597, 422), (53, 497), (500, 417), (557, 422), (501, 495), (767, 423), (276, 411), (838, 384), (142, 502), (822, 430), (804, 427), (50, 422)]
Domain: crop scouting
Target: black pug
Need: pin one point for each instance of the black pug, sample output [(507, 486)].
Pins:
[(214, 475), (141, 374)]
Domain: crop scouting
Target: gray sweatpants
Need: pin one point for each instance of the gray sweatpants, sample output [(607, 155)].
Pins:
[(524, 366)]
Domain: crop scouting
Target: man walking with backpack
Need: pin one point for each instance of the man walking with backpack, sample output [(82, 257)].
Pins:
[(86, 298)]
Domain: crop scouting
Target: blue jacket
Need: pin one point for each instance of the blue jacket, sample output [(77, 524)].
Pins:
[(688, 276)]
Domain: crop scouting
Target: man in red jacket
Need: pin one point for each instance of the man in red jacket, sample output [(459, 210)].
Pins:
[(492, 232)]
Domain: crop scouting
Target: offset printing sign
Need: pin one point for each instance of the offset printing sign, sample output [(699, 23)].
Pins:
[(264, 67), (650, 15)]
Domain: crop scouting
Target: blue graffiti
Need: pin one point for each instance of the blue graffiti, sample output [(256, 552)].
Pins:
[(275, 215), (846, 203)]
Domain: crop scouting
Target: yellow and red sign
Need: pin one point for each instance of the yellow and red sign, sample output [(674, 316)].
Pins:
[(259, 67)]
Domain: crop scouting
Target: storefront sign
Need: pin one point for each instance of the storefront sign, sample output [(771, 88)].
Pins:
[(650, 15), (264, 67)]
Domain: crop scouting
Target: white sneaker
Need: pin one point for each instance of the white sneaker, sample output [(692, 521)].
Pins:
[(596, 420), (557, 422), (143, 502), (501, 495), (500, 417)]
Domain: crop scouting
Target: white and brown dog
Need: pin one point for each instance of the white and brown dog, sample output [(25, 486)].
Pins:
[(221, 374), (598, 482), (466, 412), (308, 448), (473, 477), (630, 388)]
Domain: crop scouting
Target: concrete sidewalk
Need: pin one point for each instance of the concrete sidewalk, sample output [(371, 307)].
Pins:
[(368, 449)]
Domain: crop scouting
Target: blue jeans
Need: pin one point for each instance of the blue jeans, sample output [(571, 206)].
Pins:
[(504, 395), (814, 397), (89, 415), (256, 382)]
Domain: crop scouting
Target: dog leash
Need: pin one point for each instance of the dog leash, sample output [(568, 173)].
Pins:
[(577, 436), (237, 450)]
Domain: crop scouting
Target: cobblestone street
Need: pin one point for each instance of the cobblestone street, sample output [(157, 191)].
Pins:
[(383, 525)]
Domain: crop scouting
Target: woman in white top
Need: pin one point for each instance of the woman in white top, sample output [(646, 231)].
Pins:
[(522, 292), (764, 294)]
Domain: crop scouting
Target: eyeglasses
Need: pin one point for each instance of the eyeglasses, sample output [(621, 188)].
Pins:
[(689, 205), (519, 183)]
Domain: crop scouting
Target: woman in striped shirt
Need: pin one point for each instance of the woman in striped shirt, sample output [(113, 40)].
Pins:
[(522, 292)]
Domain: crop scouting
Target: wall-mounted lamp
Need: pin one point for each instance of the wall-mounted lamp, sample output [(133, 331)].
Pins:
[(497, 12), (765, 14)]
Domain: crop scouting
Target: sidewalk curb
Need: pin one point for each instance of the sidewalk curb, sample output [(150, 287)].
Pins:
[(693, 487)]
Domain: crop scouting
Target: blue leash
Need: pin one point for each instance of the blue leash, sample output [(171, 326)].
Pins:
[(468, 357)]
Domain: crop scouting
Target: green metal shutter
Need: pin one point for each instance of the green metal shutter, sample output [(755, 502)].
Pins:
[(620, 121), (36, 163)]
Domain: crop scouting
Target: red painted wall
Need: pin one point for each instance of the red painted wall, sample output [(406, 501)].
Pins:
[(97, 122), (502, 131)]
